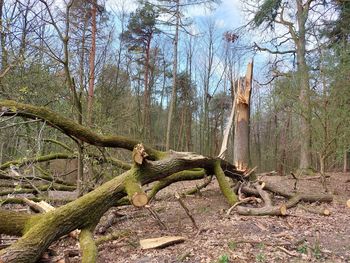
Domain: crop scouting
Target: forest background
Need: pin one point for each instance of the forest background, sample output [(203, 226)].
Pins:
[(166, 72)]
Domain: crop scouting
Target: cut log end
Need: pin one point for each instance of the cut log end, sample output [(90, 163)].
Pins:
[(139, 199), (283, 209), (326, 212)]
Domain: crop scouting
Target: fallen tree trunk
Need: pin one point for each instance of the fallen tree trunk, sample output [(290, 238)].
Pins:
[(277, 210), (40, 231)]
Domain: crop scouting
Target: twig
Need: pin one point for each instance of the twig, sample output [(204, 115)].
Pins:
[(249, 172), (290, 253), (177, 196), (156, 217), (243, 201)]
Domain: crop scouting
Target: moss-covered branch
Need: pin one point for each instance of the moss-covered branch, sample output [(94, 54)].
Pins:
[(43, 158), (88, 209), (88, 246), (52, 186), (71, 128), (224, 185), (64, 146), (134, 191), (13, 223), (186, 175)]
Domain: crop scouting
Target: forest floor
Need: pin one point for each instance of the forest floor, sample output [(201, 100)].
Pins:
[(298, 237)]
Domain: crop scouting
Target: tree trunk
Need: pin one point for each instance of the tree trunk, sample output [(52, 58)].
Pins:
[(147, 96), (92, 63), (345, 164), (241, 136), (173, 92), (4, 58), (303, 73)]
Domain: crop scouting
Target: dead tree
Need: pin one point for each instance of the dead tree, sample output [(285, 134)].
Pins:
[(241, 135)]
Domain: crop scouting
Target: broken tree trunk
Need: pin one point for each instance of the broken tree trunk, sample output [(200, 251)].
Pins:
[(39, 231), (241, 135)]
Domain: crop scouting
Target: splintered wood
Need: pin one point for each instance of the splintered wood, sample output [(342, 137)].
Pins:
[(160, 242), (139, 154)]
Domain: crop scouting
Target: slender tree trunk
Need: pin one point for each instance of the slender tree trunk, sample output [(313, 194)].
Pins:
[(283, 152), (345, 164), (4, 59), (147, 96), (173, 92), (92, 63)]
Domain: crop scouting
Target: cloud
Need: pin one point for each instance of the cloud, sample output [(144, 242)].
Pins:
[(220, 23)]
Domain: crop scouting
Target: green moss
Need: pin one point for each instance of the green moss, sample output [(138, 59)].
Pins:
[(88, 246), (224, 185)]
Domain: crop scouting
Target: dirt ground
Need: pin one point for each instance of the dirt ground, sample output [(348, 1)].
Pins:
[(298, 237)]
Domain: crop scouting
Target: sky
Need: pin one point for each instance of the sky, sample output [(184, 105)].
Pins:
[(227, 15)]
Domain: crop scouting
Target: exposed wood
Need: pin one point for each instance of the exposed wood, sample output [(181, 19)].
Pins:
[(348, 203), (248, 172), (283, 209), (139, 154), (135, 192), (241, 135), (41, 207), (161, 242), (227, 130), (316, 210)]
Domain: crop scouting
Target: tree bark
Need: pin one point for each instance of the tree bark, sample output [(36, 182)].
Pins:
[(173, 92), (303, 73), (92, 62)]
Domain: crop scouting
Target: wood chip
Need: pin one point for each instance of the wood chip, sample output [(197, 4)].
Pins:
[(283, 209), (161, 242)]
